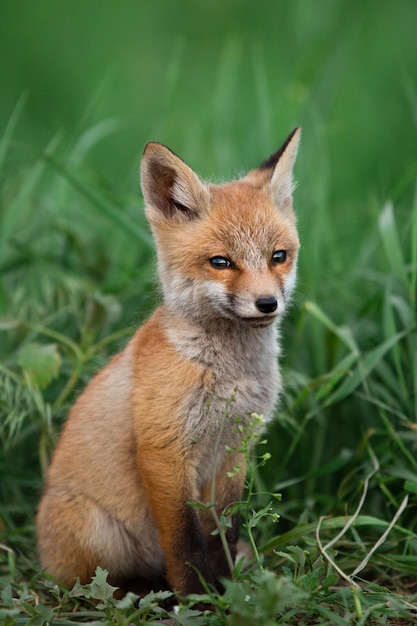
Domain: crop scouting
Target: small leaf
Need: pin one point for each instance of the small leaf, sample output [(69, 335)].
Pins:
[(79, 590), (40, 362), (100, 588), (411, 487), (44, 616), (153, 598), (329, 581), (203, 506), (7, 596), (129, 601)]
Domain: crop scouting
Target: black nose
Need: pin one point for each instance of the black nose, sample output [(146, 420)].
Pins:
[(266, 304)]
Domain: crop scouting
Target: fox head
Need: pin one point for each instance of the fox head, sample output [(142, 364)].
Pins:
[(224, 251)]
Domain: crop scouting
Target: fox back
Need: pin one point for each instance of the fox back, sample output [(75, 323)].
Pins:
[(156, 428)]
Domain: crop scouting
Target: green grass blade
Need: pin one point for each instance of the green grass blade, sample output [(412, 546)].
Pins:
[(334, 523), (17, 211), (390, 330), (10, 128), (392, 244), (413, 269), (92, 136), (342, 332), (100, 203), (331, 380), (365, 367)]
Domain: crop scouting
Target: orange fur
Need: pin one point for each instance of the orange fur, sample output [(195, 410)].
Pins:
[(156, 427)]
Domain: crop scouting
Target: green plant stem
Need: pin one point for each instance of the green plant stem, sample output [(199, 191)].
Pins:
[(394, 435), (72, 381), (248, 525), (219, 526)]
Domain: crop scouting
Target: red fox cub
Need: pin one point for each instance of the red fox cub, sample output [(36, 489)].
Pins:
[(141, 442)]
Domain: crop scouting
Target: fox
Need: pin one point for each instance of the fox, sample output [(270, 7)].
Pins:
[(150, 434)]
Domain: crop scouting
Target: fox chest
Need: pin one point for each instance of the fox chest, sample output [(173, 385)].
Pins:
[(235, 375), (228, 395), (220, 415)]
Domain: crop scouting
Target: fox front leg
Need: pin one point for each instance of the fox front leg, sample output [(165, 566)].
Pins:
[(168, 489)]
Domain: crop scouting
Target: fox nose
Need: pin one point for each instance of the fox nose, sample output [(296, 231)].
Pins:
[(266, 304)]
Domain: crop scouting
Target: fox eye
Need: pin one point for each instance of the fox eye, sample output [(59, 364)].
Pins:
[(220, 262), (280, 256)]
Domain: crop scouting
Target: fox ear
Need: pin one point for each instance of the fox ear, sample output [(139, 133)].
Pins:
[(171, 189), (276, 173)]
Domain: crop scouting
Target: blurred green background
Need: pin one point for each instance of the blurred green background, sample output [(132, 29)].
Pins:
[(86, 83), (221, 81)]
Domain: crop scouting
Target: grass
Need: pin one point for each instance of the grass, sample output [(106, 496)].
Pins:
[(343, 444), (77, 276)]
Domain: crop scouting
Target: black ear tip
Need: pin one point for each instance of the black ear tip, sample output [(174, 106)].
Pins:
[(156, 147), (274, 158), (291, 135)]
